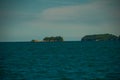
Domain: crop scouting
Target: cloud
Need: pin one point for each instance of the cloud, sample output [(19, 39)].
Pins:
[(93, 11), (61, 13), (65, 12)]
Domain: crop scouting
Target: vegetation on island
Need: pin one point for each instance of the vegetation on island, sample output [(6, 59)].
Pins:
[(99, 37), (53, 39)]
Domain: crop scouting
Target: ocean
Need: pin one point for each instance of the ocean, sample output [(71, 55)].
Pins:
[(70, 60)]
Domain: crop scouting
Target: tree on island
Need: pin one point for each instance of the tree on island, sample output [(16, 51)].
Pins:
[(53, 39)]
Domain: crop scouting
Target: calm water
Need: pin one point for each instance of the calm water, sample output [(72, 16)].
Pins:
[(60, 61)]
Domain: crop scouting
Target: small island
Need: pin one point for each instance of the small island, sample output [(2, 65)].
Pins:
[(50, 39), (100, 37)]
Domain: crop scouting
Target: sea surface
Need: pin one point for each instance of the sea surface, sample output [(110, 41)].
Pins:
[(72, 60)]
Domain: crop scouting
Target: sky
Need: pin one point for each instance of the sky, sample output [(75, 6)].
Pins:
[(24, 20)]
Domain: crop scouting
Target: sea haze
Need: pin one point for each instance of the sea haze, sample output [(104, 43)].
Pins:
[(60, 60)]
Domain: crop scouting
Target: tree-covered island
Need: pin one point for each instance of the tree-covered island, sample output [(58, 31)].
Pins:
[(100, 37)]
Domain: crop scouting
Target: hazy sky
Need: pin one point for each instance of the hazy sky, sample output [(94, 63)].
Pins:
[(24, 20)]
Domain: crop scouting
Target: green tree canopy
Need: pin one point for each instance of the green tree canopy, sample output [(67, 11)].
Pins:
[(53, 39)]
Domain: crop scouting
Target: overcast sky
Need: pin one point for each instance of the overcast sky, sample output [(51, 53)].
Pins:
[(24, 20)]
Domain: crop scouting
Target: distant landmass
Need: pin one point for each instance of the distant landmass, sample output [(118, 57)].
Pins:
[(119, 38), (100, 37), (95, 37)]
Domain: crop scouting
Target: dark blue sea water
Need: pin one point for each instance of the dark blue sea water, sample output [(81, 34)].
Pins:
[(60, 60)]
